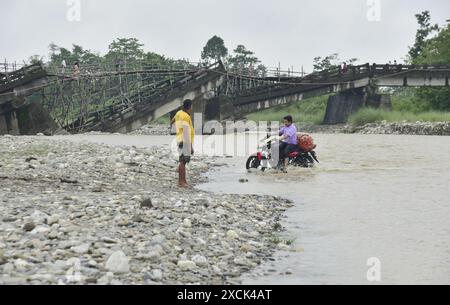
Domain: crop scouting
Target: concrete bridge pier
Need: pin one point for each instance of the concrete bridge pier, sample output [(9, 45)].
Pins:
[(216, 109), (9, 123), (219, 108), (27, 120), (9, 116), (198, 113), (342, 105)]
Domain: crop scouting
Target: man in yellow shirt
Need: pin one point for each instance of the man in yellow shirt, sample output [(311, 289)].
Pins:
[(185, 139)]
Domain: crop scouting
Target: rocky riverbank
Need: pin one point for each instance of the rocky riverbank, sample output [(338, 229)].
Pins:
[(79, 213), (402, 128), (164, 130), (311, 128), (153, 130)]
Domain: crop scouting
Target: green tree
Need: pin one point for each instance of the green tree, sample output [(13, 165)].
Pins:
[(154, 59), (214, 50), (330, 61), (58, 55), (325, 63), (261, 70), (436, 51), (36, 59), (127, 49), (424, 31), (243, 60)]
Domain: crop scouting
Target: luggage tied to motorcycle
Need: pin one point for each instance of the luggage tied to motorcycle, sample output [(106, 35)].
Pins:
[(305, 142)]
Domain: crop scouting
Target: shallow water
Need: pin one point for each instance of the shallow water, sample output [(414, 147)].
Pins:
[(372, 196)]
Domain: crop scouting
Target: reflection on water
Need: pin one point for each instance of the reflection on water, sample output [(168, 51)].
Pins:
[(371, 196)]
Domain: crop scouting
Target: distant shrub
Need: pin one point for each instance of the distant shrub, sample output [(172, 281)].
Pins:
[(306, 111)]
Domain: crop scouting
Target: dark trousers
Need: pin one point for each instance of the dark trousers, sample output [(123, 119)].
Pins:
[(284, 150)]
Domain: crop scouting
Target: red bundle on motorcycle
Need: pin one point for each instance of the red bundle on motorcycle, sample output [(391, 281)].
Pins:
[(306, 142)]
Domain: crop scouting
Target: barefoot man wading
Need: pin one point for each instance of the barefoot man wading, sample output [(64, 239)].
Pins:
[(185, 139)]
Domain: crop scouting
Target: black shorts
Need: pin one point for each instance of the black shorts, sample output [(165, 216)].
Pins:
[(183, 157)]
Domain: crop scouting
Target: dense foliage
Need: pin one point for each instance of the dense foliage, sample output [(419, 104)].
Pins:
[(432, 50), (214, 50), (122, 53)]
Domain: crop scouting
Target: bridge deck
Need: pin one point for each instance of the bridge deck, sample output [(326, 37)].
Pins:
[(113, 107), (11, 80), (335, 80)]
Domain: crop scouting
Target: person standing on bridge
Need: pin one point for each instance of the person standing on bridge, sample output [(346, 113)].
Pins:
[(185, 139), (76, 70), (344, 68)]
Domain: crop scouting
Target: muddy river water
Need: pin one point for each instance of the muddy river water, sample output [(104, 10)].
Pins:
[(373, 196)]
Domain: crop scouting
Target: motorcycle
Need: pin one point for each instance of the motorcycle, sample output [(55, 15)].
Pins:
[(304, 157)]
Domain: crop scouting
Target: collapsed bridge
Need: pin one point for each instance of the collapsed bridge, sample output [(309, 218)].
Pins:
[(34, 99)]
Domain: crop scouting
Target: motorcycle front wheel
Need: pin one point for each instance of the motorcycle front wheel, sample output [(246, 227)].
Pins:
[(253, 162)]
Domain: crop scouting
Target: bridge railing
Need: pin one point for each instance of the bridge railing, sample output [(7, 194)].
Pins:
[(10, 80), (329, 77), (142, 99), (116, 65), (71, 98)]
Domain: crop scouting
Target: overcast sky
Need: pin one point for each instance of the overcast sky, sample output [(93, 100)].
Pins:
[(292, 32)]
